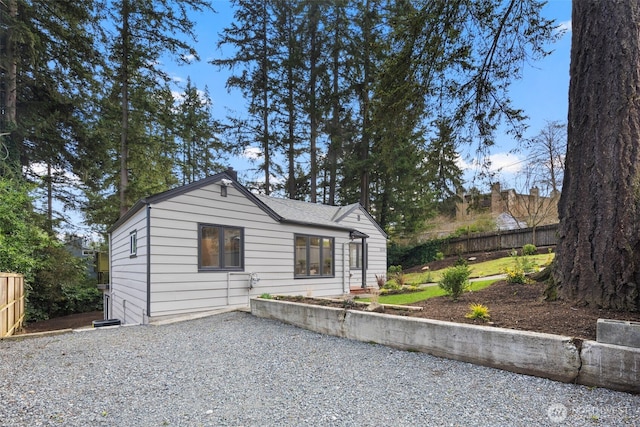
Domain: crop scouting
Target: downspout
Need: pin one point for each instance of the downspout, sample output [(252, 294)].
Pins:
[(107, 313), (344, 268), (148, 261), (364, 265)]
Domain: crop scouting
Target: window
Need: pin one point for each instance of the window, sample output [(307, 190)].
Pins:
[(313, 256), (355, 259), (133, 243), (355, 255), (220, 247)]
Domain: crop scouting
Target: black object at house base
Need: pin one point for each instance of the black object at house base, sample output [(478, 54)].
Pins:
[(108, 322)]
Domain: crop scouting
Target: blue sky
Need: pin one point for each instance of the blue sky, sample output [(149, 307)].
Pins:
[(542, 92)]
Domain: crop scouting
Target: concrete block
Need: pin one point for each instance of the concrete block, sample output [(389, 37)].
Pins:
[(543, 355), (610, 366), (618, 332), (325, 320)]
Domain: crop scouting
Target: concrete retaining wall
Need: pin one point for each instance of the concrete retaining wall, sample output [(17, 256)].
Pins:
[(611, 366), (544, 355)]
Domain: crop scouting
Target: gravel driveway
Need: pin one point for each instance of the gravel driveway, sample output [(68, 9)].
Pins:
[(234, 369)]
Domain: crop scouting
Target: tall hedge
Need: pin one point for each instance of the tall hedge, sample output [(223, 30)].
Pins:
[(411, 256)]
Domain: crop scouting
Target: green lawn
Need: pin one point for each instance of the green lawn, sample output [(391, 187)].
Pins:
[(482, 269), (430, 292)]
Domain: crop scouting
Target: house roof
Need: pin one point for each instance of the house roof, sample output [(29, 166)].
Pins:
[(297, 211), (281, 210), (303, 212)]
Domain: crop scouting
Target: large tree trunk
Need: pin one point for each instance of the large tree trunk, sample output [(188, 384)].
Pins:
[(598, 255)]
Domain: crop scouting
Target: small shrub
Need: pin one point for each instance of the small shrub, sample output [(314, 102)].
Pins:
[(400, 279), (394, 269), (381, 280), (266, 296), (529, 249), (439, 256), (528, 265), (395, 274), (515, 274), (81, 298), (392, 285), (455, 280), (461, 261), (478, 311)]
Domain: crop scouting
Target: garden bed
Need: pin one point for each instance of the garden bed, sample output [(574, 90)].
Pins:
[(510, 306)]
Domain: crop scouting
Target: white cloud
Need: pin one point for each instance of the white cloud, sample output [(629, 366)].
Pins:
[(462, 164), (252, 153), (564, 26), (188, 58), (505, 162), (178, 96), (40, 169), (498, 162)]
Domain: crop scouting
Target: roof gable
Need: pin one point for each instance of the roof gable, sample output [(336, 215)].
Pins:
[(281, 210), (174, 192)]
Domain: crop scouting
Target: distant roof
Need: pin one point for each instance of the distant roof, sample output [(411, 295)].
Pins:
[(505, 221)]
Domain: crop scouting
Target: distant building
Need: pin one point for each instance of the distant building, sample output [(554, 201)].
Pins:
[(77, 247), (509, 209), (97, 261)]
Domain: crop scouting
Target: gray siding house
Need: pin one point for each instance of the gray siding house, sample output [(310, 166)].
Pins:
[(213, 244)]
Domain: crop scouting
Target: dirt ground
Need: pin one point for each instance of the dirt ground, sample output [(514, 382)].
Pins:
[(510, 306), (519, 306), (522, 307), (73, 321)]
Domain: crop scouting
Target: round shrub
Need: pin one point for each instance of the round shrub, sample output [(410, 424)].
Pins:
[(455, 280), (529, 249)]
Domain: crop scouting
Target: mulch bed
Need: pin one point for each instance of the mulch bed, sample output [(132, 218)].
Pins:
[(510, 306)]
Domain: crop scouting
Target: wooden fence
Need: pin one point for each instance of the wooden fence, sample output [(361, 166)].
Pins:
[(11, 303), (546, 235)]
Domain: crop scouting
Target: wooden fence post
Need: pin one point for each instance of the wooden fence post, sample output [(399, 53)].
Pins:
[(11, 303)]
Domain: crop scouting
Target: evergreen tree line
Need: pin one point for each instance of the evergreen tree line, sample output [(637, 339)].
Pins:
[(371, 101), (364, 101)]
